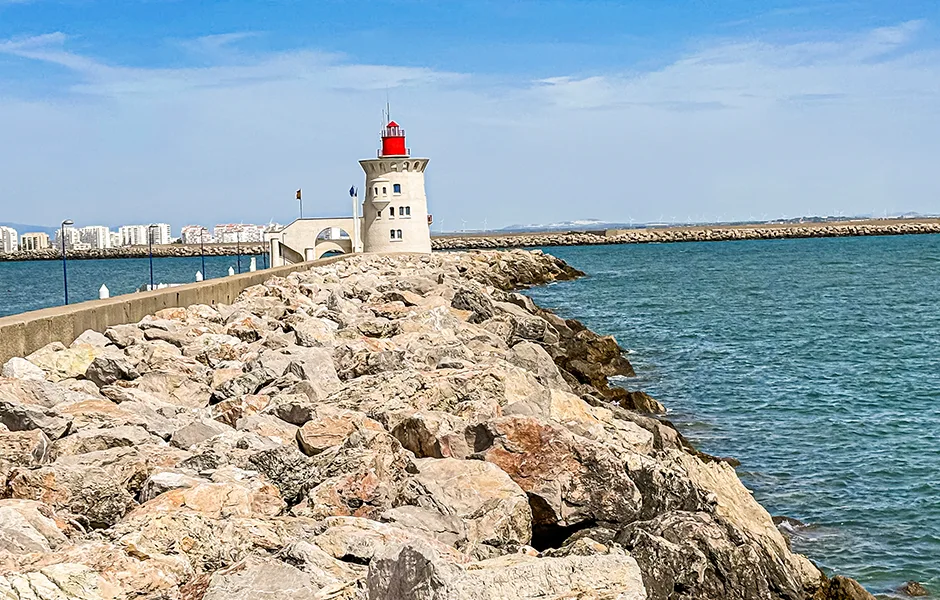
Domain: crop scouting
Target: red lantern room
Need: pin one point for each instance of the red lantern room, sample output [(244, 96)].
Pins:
[(393, 141)]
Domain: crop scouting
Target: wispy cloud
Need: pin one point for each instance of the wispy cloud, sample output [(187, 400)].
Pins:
[(734, 128)]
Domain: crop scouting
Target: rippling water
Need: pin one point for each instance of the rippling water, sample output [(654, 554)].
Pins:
[(31, 285), (815, 362)]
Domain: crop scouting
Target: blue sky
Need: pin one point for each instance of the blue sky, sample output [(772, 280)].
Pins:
[(531, 112)]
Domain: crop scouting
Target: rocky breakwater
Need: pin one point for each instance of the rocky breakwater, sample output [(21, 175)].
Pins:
[(685, 234), (401, 428), (163, 251)]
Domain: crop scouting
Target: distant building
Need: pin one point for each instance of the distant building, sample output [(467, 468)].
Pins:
[(96, 236), (115, 239), (229, 233), (133, 235), (72, 237), (195, 234), (9, 239), (162, 234), (136, 235), (31, 242)]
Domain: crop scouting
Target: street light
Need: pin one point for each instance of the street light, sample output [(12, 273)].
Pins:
[(150, 248), (238, 251), (65, 270), (202, 250)]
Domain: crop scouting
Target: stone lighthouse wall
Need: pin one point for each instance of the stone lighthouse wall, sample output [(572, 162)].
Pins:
[(407, 200)]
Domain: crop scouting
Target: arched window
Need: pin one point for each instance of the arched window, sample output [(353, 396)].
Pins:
[(396, 189), (384, 191), (398, 233), (391, 212), (407, 211), (401, 211), (391, 234), (375, 191)]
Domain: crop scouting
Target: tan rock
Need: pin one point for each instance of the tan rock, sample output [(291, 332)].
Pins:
[(231, 493), (569, 479), (330, 426), (493, 508), (231, 410), (60, 362)]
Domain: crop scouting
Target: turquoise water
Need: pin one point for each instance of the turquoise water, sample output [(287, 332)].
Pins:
[(32, 285), (815, 362)]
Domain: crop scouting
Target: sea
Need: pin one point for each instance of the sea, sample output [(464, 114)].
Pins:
[(36, 284), (815, 362)]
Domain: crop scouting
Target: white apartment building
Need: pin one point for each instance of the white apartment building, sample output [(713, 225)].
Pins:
[(9, 239), (195, 234), (136, 235), (96, 236), (230, 233), (115, 239), (72, 238), (133, 235), (30, 242), (162, 234)]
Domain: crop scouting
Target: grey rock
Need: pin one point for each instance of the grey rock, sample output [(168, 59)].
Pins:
[(106, 370), (197, 432), (20, 368)]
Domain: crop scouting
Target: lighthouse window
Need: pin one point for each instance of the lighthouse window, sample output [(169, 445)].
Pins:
[(391, 212), (376, 191), (407, 211), (384, 191), (391, 233), (398, 233), (396, 188)]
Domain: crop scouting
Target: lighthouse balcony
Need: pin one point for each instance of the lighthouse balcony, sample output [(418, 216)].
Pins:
[(381, 154)]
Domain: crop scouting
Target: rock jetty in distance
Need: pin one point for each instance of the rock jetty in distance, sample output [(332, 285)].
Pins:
[(383, 427)]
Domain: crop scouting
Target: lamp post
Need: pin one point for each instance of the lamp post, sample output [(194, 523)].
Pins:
[(150, 248), (65, 270), (202, 250), (238, 251)]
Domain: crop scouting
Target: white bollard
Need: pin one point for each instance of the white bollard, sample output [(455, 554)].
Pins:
[(198, 275), (231, 271), (103, 292), (253, 265)]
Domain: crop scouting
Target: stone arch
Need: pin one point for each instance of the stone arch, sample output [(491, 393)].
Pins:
[(326, 245)]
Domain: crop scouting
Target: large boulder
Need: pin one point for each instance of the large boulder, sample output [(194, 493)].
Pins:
[(59, 362), (330, 426), (493, 508), (697, 555), (569, 479), (261, 578), (20, 368), (417, 571)]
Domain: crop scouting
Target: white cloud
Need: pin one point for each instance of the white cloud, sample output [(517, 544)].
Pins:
[(738, 128)]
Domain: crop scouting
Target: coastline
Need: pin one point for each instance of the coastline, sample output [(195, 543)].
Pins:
[(161, 251), (708, 233), (390, 372)]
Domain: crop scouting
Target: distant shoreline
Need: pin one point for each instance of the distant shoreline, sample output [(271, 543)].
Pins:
[(691, 233), (163, 251)]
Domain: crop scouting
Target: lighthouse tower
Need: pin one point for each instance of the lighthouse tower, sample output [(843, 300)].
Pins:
[(395, 207)]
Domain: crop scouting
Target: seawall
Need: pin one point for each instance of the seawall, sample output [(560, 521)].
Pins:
[(163, 251), (395, 427), (688, 234), (26, 332)]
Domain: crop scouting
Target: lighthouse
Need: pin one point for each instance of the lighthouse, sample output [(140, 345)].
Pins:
[(394, 206)]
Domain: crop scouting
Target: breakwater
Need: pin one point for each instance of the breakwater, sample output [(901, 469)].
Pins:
[(165, 251), (687, 234), (395, 427)]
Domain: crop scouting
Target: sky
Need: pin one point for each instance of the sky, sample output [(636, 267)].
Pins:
[(532, 112)]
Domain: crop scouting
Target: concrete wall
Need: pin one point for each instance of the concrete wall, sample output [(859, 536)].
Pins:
[(25, 333)]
